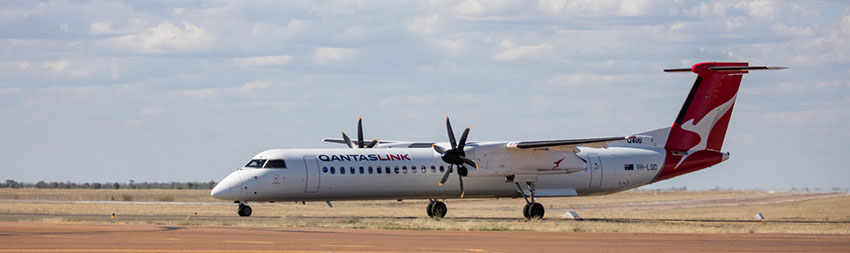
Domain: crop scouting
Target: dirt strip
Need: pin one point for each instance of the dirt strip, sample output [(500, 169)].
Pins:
[(51, 237)]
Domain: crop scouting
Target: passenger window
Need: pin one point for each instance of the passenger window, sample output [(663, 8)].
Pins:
[(333, 171), (256, 163), (442, 169), (324, 169), (396, 169), (275, 164), (361, 170), (352, 170), (404, 169), (370, 169), (341, 170), (379, 169), (423, 169), (413, 169), (433, 169), (387, 169)]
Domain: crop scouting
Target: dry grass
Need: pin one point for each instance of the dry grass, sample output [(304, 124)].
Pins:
[(602, 213), (107, 195)]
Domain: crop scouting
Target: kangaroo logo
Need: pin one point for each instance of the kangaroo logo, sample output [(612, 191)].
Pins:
[(704, 126), (558, 163)]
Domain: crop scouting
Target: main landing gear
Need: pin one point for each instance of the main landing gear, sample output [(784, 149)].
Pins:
[(244, 210), (532, 210), (436, 209)]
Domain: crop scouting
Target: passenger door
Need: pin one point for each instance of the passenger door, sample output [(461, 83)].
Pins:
[(311, 166)]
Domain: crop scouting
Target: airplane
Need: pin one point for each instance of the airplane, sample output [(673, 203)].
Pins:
[(387, 170)]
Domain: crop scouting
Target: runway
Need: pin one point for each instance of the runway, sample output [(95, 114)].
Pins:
[(66, 237)]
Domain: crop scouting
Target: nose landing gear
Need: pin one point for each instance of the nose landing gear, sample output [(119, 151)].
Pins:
[(244, 210)]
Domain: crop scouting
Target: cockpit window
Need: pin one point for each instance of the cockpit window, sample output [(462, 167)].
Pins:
[(256, 163), (276, 164)]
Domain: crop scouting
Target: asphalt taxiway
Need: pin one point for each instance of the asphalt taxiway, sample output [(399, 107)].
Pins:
[(70, 237)]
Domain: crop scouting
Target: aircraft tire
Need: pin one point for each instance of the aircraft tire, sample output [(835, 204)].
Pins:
[(430, 209), (244, 210), (439, 210), (536, 211), (525, 211)]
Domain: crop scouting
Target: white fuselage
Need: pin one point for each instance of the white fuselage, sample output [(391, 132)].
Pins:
[(414, 173)]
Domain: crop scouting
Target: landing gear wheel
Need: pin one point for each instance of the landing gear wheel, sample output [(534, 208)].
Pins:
[(244, 210), (430, 209), (533, 211), (437, 210), (525, 211)]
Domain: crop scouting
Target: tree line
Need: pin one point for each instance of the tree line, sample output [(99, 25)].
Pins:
[(132, 184)]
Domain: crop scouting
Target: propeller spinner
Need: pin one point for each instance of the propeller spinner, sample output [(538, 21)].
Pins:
[(455, 156)]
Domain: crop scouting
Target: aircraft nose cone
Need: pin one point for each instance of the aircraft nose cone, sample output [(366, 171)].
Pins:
[(227, 189), (219, 192)]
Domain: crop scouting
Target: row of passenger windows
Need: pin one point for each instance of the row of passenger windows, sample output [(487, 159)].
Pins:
[(382, 170)]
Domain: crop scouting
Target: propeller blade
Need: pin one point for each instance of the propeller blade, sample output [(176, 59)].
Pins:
[(451, 133), (446, 176), (372, 144), (439, 149), (460, 179), (463, 139), (347, 140), (470, 162), (360, 142)]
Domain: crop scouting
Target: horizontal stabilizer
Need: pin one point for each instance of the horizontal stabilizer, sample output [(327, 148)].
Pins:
[(728, 69)]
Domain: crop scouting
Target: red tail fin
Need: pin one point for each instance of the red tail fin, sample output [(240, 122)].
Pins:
[(704, 117), (697, 134)]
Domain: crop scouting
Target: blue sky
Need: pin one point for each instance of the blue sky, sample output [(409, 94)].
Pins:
[(190, 90)]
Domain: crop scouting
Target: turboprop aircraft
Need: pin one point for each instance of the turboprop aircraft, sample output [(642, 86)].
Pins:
[(377, 170)]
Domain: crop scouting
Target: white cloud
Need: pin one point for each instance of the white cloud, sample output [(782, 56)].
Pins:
[(793, 31), (7, 91), (473, 9), (818, 117), (166, 37), (513, 52), (330, 55), (758, 8), (150, 111), (102, 27), (624, 8), (55, 66), (212, 93), (264, 61), (424, 25), (591, 79)]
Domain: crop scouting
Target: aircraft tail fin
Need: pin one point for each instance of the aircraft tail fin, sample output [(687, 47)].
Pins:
[(704, 117), (696, 137)]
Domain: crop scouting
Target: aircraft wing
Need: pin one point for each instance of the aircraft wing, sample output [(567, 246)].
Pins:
[(565, 144)]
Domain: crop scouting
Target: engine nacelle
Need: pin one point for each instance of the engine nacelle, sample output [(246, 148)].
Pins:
[(496, 160)]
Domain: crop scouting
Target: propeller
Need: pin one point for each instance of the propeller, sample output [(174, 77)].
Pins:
[(360, 142), (455, 156)]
